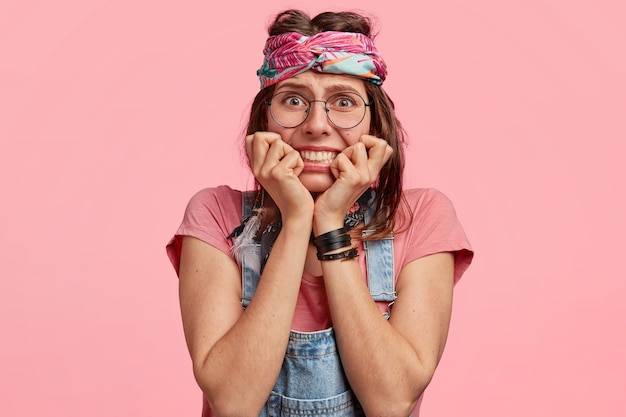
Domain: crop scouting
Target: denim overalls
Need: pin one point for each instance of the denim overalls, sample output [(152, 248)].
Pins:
[(312, 381)]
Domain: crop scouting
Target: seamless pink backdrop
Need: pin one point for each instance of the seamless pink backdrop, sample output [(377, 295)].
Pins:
[(112, 114)]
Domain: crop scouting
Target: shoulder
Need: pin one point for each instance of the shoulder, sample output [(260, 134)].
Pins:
[(424, 194), (210, 216), (434, 227), (428, 203), (221, 196), (211, 208), (221, 204)]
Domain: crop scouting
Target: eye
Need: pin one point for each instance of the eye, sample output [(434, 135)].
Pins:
[(292, 100), (343, 102)]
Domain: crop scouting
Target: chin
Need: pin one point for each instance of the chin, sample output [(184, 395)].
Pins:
[(317, 182)]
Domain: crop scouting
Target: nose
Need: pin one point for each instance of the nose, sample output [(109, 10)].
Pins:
[(317, 120)]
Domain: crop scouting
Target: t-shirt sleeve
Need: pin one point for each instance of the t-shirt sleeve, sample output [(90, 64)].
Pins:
[(211, 215), (435, 228)]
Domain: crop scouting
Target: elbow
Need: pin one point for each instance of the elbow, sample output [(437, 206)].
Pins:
[(392, 407), (222, 399), (388, 410), (399, 402), (397, 405), (232, 409), (224, 405)]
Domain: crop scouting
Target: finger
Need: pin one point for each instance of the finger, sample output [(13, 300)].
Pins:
[(259, 143), (278, 149), (375, 146), (356, 153), (359, 156), (291, 163), (379, 151), (351, 167), (275, 156), (249, 148)]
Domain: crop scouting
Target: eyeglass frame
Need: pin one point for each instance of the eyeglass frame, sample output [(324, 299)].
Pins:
[(268, 102)]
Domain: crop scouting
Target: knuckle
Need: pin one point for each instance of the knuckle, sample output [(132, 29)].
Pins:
[(274, 173)]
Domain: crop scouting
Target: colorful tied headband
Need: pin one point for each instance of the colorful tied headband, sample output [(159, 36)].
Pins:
[(347, 53)]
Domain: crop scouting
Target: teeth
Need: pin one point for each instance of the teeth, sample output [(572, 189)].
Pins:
[(313, 156)]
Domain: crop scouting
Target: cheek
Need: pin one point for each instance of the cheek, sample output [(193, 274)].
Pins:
[(350, 138), (354, 135), (285, 134)]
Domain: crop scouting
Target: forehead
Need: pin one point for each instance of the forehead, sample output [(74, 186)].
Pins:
[(318, 84)]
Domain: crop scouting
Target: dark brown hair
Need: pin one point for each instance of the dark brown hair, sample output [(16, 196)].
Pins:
[(384, 123)]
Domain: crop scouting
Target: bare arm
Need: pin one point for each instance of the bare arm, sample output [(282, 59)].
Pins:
[(223, 339), (389, 364), (229, 346)]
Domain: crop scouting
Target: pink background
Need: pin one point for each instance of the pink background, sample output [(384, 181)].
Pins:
[(113, 113)]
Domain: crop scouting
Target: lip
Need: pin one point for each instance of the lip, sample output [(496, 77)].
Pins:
[(316, 166)]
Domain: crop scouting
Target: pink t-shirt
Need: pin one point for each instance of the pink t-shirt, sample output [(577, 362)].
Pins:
[(213, 213)]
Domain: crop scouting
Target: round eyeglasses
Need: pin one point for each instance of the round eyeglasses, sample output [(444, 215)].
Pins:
[(344, 110)]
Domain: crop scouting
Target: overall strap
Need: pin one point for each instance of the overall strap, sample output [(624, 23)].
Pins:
[(380, 265), (250, 256), (247, 203)]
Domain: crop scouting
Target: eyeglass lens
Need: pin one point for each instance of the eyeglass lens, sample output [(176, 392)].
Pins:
[(344, 110)]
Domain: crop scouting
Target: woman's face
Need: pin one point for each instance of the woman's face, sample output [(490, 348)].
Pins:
[(317, 139)]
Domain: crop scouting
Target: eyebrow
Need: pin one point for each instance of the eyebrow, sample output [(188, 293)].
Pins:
[(332, 88)]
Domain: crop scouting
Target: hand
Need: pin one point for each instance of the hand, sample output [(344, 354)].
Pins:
[(276, 166), (355, 169)]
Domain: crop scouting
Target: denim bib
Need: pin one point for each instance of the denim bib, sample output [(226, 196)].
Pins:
[(312, 381)]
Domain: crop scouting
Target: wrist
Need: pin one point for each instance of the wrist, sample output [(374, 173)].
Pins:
[(343, 255), (299, 224), (323, 224), (332, 241)]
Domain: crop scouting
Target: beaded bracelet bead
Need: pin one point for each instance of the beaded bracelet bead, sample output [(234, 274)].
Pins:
[(348, 254)]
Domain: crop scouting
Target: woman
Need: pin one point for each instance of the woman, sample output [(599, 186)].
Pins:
[(333, 295)]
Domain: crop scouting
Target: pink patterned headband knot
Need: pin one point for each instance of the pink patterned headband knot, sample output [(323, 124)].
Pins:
[(347, 53)]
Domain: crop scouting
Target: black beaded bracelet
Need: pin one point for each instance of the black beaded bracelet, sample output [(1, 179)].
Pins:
[(348, 254)]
